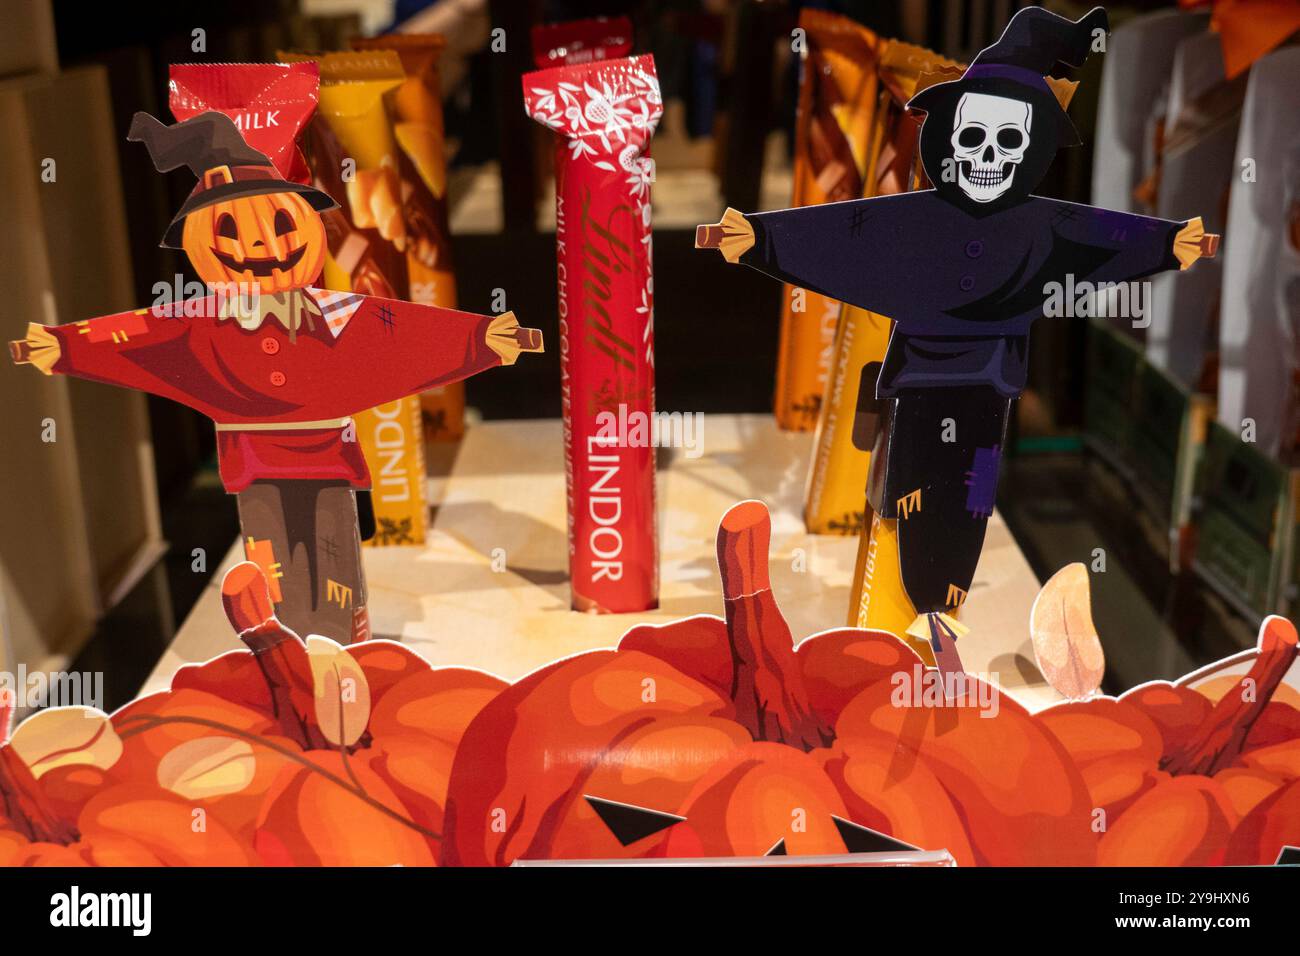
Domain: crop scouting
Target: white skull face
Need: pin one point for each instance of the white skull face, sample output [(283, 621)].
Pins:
[(989, 137)]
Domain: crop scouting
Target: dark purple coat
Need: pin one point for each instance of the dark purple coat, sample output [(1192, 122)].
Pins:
[(963, 289)]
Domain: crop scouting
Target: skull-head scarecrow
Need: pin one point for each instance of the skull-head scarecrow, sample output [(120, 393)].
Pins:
[(277, 364), (963, 269)]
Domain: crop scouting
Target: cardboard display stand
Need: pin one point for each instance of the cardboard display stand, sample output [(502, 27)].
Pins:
[(444, 704), (723, 730)]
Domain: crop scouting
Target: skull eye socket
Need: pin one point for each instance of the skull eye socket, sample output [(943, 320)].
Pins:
[(1010, 138), (226, 227), (970, 137), (283, 222)]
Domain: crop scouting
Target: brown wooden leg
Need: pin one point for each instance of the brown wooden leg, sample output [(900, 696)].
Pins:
[(304, 536)]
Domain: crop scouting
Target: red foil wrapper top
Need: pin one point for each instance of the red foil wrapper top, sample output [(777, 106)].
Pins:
[(604, 114), (269, 102)]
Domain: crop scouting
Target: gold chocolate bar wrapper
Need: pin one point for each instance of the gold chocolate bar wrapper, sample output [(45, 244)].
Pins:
[(353, 154), (837, 99), (415, 111), (882, 604), (392, 439), (878, 599), (834, 502)]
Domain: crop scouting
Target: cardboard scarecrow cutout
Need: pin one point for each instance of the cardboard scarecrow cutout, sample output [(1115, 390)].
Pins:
[(963, 269), (277, 364)]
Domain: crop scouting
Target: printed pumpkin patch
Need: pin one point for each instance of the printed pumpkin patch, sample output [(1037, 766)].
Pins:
[(289, 753), (707, 737), (718, 737)]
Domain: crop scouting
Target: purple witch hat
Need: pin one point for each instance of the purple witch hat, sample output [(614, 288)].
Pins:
[(1034, 41)]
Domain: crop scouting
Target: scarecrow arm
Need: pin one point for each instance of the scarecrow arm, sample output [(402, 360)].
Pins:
[(839, 250), (411, 348), (1135, 246), (120, 349)]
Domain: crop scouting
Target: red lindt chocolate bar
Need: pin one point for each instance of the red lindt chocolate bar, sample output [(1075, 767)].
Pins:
[(581, 41), (269, 102), (604, 114)]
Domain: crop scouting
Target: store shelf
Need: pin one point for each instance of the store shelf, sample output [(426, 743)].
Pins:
[(506, 491)]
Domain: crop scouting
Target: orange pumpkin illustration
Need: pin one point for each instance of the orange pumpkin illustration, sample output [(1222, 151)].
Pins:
[(706, 737), (711, 737), (274, 241), (291, 752)]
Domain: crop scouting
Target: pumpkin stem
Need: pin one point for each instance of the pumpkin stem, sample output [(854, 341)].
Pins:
[(767, 686), (21, 805), (1219, 741), (279, 652)]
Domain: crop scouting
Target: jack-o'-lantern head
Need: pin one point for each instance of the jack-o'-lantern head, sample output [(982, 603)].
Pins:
[(244, 223), (273, 241)]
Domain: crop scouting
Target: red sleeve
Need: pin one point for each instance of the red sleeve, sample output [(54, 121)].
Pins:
[(406, 348), (144, 349)]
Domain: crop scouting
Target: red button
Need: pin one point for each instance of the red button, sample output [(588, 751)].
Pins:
[(270, 346), (277, 379)]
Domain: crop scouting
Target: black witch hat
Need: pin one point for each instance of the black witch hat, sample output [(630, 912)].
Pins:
[(1034, 41), (211, 145)]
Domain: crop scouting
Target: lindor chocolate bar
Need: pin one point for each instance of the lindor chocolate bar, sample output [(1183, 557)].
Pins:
[(837, 96), (581, 41), (416, 111), (833, 502), (353, 154), (604, 114)]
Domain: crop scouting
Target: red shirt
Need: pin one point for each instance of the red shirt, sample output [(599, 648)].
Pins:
[(354, 353)]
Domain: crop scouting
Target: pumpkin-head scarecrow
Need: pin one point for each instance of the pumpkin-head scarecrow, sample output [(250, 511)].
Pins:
[(963, 269), (243, 225), (277, 364)]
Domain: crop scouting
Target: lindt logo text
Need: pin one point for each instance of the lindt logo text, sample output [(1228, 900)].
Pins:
[(604, 256)]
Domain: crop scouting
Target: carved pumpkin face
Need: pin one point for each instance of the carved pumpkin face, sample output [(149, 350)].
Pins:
[(274, 241)]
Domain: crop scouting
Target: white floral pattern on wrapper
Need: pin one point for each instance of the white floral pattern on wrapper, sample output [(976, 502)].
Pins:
[(607, 111)]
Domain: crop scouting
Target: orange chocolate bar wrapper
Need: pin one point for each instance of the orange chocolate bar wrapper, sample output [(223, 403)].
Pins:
[(834, 502), (353, 154), (415, 109), (837, 95)]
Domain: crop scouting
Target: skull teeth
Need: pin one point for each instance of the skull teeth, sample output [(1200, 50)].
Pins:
[(985, 177)]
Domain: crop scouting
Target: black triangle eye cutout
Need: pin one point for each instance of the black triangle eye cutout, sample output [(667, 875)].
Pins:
[(630, 823), (860, 839), (778, 849)]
